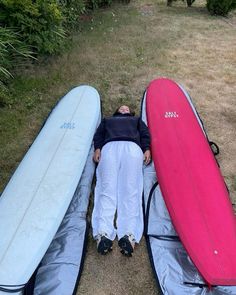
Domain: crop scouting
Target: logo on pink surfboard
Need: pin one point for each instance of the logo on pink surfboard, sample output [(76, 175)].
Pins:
[(171, 115)]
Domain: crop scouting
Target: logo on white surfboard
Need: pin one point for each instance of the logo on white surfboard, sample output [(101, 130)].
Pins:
[(68, 125), (171, 115)]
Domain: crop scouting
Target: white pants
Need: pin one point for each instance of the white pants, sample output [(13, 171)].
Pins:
[(119, 188)]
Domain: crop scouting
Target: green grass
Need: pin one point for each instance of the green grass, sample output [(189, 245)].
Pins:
[(119, 50), (28, 103)]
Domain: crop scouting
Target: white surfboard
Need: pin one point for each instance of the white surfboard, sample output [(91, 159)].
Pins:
[(37, 196)]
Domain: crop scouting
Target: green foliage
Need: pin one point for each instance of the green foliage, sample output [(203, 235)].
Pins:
[(233, 5), (93, 4), (190, 2), (39, 23), (36, 24), (220, 7), (42, 23), (71, 11), (12, 51)]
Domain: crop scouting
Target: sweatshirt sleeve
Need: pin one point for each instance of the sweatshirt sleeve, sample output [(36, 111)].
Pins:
[(99, 135), (144, 136)]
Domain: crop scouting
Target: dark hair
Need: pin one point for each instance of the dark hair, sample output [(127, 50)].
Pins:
[(132, 113)]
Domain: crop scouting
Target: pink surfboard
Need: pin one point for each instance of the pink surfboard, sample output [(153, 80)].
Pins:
[(191, 183)]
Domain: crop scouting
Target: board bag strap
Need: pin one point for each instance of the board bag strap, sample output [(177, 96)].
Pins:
[(5, 288), (214, 147)]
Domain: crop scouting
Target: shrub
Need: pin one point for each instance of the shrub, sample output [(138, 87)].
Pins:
[(39, 23), (71, 11), (190, 2), (233, 5), (93, 4), (219, 7), (12, 51)]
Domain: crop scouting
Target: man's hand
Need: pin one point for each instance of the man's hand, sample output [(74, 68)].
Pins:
[(97, 155), (147, 157)]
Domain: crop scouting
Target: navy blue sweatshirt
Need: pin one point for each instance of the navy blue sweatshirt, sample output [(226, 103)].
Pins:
[(122, 127)]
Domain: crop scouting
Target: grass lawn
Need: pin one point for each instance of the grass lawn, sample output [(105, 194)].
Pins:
[(119, 50)]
